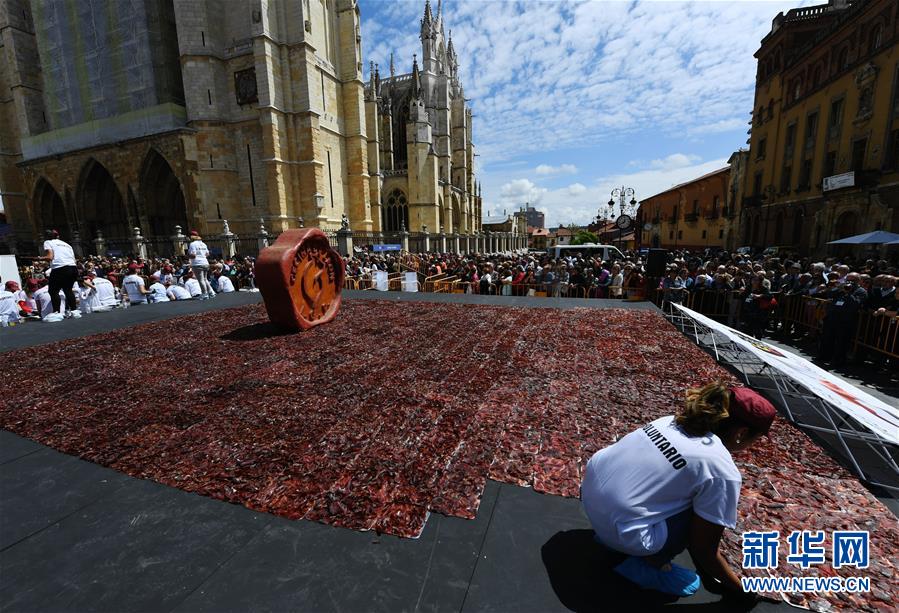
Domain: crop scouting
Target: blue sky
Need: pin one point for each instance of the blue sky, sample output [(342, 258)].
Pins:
[(573, 98)]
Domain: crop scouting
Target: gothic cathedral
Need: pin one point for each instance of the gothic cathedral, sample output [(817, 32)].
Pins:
[(420, 151)]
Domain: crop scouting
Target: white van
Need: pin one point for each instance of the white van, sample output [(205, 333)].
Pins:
[(588, 250)]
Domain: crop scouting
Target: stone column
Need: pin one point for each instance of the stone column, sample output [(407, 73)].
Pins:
[(139, 244), (100, 244), (77, 247), (404, 239), (456, 243), (262, 236), (230, 240), (426, 236), (345, 238), (178, 241), (442, 244)]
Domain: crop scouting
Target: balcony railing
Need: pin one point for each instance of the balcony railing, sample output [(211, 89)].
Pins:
[(672, 219), (691, 216), (713, 214)]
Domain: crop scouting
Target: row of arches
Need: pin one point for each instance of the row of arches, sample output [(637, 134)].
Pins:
[(99, 206)]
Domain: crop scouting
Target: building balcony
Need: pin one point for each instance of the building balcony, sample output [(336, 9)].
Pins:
[(711, 214), (691, 217), (672, 219)]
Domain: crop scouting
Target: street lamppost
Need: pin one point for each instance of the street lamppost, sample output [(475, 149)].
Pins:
[(625, 208)]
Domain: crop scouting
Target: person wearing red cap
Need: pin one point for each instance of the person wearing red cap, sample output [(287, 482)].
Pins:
[(673, 485), (134, 286), (9, 310)]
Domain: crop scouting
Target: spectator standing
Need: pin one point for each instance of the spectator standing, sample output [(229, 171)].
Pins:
[(63, 275), (199, 264), (617, 283)]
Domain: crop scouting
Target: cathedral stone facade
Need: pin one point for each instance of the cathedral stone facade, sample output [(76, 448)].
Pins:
[(420, 151), (154, 114)]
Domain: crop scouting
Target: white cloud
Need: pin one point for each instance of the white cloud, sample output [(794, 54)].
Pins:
[(561, 169), (579, 204), (675, 160)]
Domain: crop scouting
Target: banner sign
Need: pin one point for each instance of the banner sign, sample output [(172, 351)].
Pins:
[(877, 416), (386, 247), (847, 179), (380, 278), (410, 282)]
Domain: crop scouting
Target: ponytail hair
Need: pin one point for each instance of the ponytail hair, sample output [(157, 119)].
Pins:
[(705, 409)]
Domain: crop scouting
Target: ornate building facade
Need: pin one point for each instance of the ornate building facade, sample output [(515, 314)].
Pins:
[(824, 146), (692, 215), (420, 151), (153, 113)]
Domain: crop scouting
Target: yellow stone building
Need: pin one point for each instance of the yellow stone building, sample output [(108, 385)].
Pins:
[(154, 114), (420, 142), (824, 152)]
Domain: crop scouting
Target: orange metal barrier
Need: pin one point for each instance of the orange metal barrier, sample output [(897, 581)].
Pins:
[(878, 333)]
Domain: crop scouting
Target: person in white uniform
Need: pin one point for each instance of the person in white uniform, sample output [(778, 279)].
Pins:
[(176, 292), (9, 308), (192, 285), (222, 281), (673, 485), (45, 306), (199, 264), (63, 275), (100, 293), (134, 286), (157, 290)]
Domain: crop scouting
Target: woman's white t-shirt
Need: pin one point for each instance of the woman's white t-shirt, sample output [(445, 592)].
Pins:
[(132, 285), (45, 303), (63, 255), (200, 251), (176, 292), (159, 293), (193, 286), (653, 473), (225, 285)]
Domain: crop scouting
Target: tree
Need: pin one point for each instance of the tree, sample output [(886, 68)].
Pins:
[(583, 237)]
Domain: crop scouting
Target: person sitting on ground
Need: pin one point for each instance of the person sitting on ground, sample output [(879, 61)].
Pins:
[(158, 292), (177, 292), (9, 309), (101, 295), (44, 303), (134, 286), (192, 285), (688, 490), (223, 284)]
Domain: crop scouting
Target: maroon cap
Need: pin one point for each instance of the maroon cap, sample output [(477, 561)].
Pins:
[(133, 267), (194, 233), (12, 286), (752, 409)]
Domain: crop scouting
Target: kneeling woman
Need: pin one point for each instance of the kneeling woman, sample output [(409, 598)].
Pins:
[(673, 485)]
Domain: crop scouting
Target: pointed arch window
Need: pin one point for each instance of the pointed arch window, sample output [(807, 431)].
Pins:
[(396, 212)]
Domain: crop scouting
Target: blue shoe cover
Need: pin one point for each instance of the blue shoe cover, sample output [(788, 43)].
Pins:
[(678, 581)]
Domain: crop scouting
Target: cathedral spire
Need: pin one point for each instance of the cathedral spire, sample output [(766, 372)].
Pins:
[(416, 78), (439, 9), (392, 69), (427, 20)]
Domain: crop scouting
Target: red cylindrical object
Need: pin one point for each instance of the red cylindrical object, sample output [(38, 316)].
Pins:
[(301, 278)]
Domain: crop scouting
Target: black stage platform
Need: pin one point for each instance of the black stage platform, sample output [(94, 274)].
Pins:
[(78, 537)]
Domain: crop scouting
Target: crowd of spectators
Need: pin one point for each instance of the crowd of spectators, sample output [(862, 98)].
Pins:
[(749, 288), (104, 283)]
